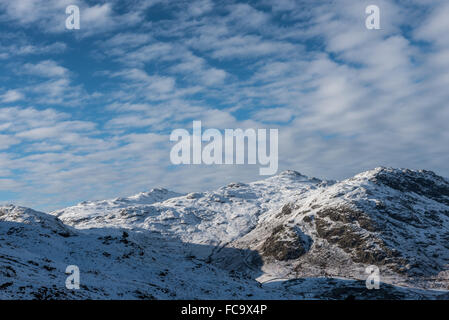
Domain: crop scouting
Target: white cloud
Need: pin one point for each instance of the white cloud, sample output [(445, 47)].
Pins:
[(7, 141), (47, 68), (11, 96), (47, 82), (198, 8), (13, 47), (274, 115), (241, 46), (50, 16), (434, 28)]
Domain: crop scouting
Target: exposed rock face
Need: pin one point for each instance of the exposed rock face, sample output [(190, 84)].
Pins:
[(422, 182), (298, 237), (285, 244), (347, 229)]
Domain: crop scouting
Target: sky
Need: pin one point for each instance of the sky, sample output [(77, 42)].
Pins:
[(87, 114)]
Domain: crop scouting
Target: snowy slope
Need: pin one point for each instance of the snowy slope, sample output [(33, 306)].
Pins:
[(35, 249), (299, 237)]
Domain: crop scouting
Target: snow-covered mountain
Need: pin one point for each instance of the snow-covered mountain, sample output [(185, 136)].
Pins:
[(286, 237)]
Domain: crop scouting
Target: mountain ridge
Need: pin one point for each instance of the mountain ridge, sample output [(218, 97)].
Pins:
[(260, 235)]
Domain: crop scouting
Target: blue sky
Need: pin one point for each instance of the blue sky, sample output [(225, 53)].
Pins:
[(86, 114)]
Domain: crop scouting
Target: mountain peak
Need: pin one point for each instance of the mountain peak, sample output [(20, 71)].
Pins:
[(291, 173), (21, 215), (399, 172), (154, 195), (423, 182), (11, 212)]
